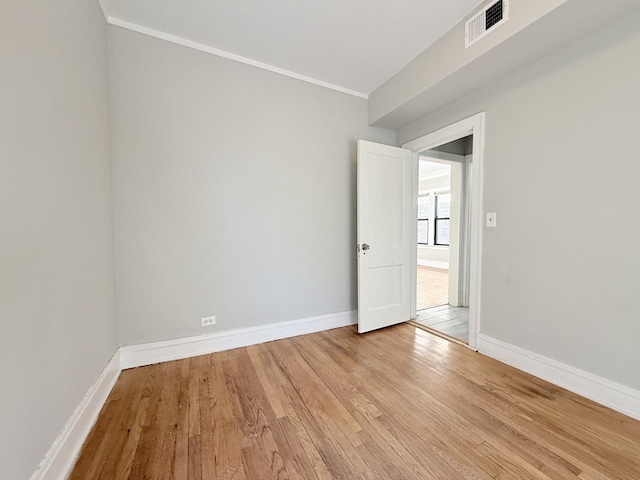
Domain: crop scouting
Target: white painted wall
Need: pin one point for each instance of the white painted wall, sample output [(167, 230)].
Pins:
[(57, 325), (549, 127), (433, 256), (457, 234), (433, 183), (234, 192)]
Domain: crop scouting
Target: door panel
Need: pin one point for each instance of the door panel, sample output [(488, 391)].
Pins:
[(384, 235)]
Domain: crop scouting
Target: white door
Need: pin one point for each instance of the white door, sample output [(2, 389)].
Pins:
[(384, 235)]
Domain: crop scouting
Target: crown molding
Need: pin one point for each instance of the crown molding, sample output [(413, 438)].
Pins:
[(167, 37)]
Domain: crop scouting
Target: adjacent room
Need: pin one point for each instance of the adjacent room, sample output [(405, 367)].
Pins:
[(444, 239), (319, 240)]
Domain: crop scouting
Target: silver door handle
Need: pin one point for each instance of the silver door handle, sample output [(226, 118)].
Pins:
[(365, 247)]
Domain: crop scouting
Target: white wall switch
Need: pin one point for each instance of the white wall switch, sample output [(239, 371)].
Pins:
[(207, 321), (491, 220)]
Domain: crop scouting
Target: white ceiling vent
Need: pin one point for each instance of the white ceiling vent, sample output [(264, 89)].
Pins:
[(483, 22)]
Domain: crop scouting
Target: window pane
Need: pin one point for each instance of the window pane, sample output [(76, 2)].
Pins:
[(423, 207), (443, 203), (423, 231), (442, 232)]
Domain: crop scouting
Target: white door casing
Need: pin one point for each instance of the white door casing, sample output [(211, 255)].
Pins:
[(475, 126), (384, 235)]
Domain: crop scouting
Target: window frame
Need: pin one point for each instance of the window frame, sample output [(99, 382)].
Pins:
[(432, 193), (436, 219), (425, 219)]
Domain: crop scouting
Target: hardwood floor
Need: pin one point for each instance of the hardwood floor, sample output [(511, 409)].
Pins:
[(433, 287), (393, 404)]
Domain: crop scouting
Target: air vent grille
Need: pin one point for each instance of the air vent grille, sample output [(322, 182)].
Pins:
[(485, 21)]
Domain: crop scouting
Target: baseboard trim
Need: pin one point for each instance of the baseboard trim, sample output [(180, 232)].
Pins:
[(619, 397), (433, 264), (149, 353), (60, 458)]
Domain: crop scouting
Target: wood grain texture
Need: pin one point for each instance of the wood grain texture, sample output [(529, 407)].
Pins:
[(393, 404), (432, 287)]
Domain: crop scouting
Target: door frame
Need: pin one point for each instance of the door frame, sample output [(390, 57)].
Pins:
[(474, 125)]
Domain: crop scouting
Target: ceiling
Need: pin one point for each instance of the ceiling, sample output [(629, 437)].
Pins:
[(429, 169), (353, 44)]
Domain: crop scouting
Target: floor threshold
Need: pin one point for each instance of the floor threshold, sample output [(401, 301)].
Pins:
[(438, 333)]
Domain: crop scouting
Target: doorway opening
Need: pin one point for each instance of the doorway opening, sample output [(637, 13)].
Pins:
[(387, 230), (446, 261), (442, 303)]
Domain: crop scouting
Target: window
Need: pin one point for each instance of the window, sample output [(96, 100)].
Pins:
[(423, 219), (443, 219), (434, 218)]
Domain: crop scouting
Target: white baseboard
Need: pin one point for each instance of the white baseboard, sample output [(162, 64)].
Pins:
[(60, 458), (62, 455), (148, 353), (433, 264), (611, 394)]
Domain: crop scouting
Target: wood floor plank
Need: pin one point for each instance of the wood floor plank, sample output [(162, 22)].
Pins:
[(181, 460), (268, 381), (305, 455), (146, 450), (393, 404), (122, 449), (213, 454), (195, 458), (435, 446), (317, 410), (432, 287), (501, 435), (400, 425), (234, 469), (101, 437), (362, 408), (263, 426)]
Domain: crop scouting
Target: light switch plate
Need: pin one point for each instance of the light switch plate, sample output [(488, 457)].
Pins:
[(491, 220)]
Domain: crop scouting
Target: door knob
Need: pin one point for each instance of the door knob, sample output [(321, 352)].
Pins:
[(365, 247)]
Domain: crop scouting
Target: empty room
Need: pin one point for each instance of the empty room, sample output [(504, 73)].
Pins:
[(319, 240)]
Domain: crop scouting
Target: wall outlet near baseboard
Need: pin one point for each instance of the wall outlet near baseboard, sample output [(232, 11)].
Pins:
[(207, 321)]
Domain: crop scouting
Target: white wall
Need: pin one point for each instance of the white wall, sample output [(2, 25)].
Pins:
[(432, 183), (433, 256), (57, 326), (550, 129), (235, 192)]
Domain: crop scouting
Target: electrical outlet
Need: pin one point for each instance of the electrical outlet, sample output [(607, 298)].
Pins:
[(207, 321)]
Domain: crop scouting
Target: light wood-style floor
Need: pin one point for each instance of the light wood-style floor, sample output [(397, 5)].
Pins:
[(393, 404), (433, 287)]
